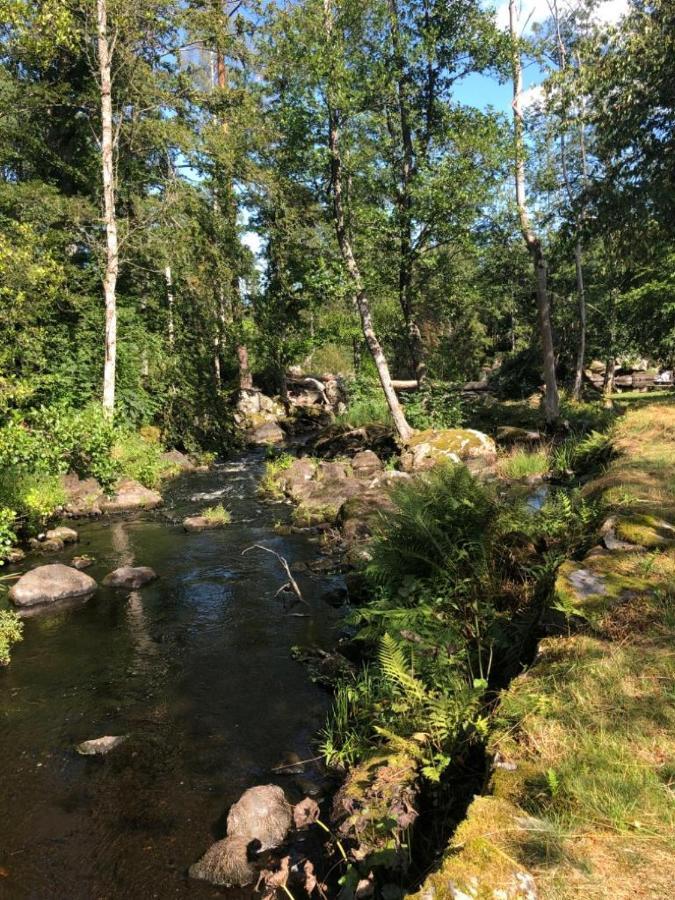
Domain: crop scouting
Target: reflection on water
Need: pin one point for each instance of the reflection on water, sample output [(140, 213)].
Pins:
[(194, 667)]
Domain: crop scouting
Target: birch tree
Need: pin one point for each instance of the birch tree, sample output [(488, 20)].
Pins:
[(532, 240)]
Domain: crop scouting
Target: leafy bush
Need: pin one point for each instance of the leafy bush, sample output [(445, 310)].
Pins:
[(140, 459), (582, 454), (366, 404), (11, 631), (435, 405), (7, 533), (33, 497)]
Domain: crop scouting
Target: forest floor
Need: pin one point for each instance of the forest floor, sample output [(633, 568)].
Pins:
[(581, 796)]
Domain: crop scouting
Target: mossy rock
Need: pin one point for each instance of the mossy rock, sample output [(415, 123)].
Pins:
[(481, 861), (645, 531), (426, 448), (591, 588)]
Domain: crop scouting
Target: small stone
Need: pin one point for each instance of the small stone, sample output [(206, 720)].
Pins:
[(82, 562), (51, 545), (100, 746), (202, 523), (15, 555), (130, 577)]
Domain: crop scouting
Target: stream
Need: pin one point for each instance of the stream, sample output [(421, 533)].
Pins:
[(195, 668)]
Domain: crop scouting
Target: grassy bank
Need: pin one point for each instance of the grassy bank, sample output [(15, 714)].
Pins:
[(580, 801)]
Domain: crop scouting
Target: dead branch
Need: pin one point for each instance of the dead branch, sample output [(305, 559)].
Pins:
[(291, 583)]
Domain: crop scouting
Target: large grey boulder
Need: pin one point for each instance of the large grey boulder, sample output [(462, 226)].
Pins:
[(49, 584), (131, 495), (130, 577), (268, 433), (260, 820)]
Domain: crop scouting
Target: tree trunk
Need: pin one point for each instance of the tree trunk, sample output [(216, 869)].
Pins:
[(581, 295), (110, 221), (245, 377), (360, 297), (532, 242), (406, 249), (169, 304)]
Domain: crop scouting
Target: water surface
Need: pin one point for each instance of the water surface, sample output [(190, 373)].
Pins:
[(195, 667)]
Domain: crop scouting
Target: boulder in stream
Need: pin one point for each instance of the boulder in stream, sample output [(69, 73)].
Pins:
[(130, 577), (49, 584), (100, 746), (259, 820), (131, 495), (62, 533)]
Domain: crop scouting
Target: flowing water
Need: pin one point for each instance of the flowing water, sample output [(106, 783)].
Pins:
[(195, 668)]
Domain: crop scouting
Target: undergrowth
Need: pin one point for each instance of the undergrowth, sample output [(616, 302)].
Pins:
[(11, 631)]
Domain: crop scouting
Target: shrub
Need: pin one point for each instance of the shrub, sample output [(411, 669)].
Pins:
[(7, 534), (366, 404), (11, 631), (435, 405), (140, 459), (33, 497)]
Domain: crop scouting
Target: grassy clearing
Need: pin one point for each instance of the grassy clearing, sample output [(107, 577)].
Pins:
[(582, 798)]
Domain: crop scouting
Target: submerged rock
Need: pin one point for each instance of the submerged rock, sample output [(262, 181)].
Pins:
[(82, 562), (202, 523), (227, 863), (130, 577), (48, 584), (131, 495), (260, 820), (100, 746), (47, 545), (62, 533), (178, 460)]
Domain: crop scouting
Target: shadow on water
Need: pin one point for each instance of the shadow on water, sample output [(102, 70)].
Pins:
[(195, 668)]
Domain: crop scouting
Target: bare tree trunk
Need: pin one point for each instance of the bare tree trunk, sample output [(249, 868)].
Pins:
[(245, 377), (360, 297), (168, 278), (532, 241), (581, 351), (406, 249), (110, 221)]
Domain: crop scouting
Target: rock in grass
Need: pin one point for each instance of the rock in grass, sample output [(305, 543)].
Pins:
[(100, 746), (62, 533), (48, 584), (130, 577)]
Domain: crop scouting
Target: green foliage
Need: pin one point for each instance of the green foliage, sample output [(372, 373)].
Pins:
[(366, 405), (435, 405), (522, 463), (269, 483), (11, 631), (140, 459), (218, 515), (7, 532), (580, 455)]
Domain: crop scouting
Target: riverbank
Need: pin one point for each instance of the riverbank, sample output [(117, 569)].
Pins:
[(580, 795)]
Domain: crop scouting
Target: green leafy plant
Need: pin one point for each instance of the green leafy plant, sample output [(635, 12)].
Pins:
[(218, 515), (7, 533), (11, 631)]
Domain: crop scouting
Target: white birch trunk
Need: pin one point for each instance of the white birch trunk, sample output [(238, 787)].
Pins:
[(107, 165), (532, 242)]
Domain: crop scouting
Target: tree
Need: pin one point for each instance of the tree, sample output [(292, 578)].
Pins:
[(344, 242), (532, 240)]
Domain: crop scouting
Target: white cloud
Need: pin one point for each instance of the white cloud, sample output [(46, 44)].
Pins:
[(533, 96), (608, 12)]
